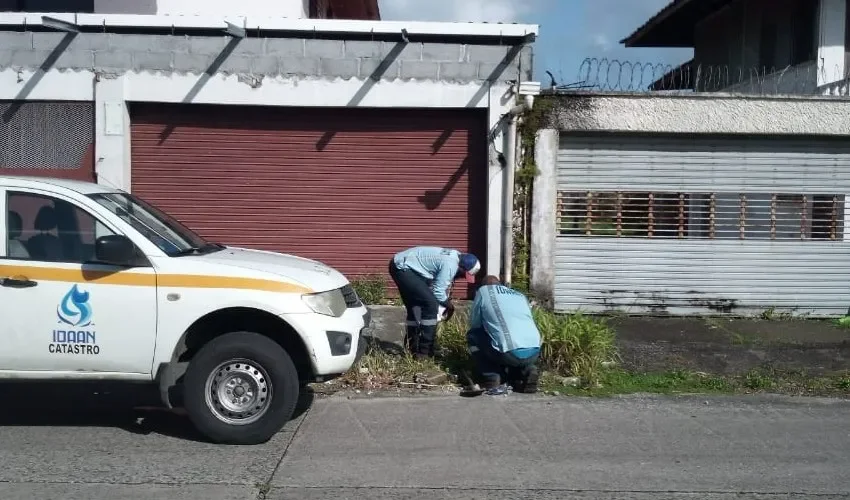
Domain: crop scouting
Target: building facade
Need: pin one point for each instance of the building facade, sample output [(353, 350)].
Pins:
[(706, 200), (336, 139)]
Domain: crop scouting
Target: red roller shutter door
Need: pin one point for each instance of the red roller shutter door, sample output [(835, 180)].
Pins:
[(348, 187)]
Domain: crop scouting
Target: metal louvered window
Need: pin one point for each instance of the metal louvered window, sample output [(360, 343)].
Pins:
[(744, 216)]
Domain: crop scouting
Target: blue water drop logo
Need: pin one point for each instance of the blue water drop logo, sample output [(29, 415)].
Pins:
[(74, 308)]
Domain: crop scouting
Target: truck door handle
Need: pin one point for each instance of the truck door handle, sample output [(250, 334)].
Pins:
[(21, 282)]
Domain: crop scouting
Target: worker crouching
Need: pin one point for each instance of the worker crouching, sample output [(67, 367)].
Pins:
[(423, 276), (503, 339)]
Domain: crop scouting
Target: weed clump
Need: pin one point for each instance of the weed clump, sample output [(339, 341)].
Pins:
[(371, 288)]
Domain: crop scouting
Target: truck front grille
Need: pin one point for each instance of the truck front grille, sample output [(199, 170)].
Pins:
[(351, 298)]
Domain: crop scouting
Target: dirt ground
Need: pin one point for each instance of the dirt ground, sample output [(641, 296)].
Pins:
[(731, 346)]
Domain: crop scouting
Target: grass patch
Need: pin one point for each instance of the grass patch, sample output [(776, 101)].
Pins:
[(572, 346), (763, 380), (371, 288)]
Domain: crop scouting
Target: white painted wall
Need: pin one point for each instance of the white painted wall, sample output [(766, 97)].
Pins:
[(262, 8), (831, 50)]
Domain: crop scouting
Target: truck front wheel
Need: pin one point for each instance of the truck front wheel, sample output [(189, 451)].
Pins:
[(241, 388)]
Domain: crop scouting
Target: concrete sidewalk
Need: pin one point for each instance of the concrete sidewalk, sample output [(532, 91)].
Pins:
[(712, 345)]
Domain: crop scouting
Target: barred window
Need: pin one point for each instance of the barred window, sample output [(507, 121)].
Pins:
[(756, 216)]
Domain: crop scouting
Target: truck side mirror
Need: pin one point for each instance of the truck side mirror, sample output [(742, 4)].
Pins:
[(115, 249)]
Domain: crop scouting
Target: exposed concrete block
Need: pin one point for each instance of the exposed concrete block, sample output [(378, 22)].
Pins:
[(45, 41), (92, 41), (75, 59), (345, 68), (420, 69), (236, 64), (15, 41), (250, 47), (285, 47), (526, 60), (207, 45), (369, 68), (5, 58), (265, 65), (193, 63), (497, 72), (450, 52), (153, 61), (324, 49), (458, 71), (29, 58), (355, 49), (148, 43), (401, 51), (111, 60), (486, 53), (299, 66)]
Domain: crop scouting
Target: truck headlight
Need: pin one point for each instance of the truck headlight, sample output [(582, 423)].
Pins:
[(330, 303)]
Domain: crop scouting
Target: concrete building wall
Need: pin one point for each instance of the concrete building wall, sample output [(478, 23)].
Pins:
[(272, 57), (115, 69), (695, 116)]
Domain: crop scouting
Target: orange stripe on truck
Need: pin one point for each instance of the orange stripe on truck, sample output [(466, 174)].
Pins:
[(129, 278)]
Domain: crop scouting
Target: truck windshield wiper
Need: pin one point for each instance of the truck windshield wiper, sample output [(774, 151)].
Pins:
[(208, 248)]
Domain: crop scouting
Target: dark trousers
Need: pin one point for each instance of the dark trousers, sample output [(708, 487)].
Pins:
[(421, 308), (496, 367)]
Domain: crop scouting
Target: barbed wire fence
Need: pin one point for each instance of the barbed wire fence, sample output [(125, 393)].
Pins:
[(614, 75)]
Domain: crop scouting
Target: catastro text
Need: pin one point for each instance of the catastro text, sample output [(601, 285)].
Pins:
[(74, 342)]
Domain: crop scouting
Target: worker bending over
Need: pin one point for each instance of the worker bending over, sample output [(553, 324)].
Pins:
[(503, 339), (424, 276)]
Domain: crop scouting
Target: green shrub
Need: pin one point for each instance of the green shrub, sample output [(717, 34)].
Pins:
[(371, 288), (574, 344)]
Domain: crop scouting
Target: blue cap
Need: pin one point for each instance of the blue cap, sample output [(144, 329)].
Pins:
[(470, 264)]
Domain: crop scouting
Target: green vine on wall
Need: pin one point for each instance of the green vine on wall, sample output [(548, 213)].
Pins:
[(532, 121)]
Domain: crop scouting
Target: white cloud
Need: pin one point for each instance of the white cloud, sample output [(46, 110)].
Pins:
[(493, 11)]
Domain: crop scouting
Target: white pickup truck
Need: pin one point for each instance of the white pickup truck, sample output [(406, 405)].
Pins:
[(97, 284)]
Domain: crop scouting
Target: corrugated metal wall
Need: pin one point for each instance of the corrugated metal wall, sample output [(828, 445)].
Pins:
[(349, 187), (702, 225)]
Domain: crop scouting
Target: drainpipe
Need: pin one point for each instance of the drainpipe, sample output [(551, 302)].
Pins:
[(527, 90), (508, 197)]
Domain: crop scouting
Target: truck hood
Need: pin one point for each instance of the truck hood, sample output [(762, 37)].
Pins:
[(309, 273)]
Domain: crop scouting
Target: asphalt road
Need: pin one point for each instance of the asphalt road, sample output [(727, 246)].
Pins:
[(436, 448)]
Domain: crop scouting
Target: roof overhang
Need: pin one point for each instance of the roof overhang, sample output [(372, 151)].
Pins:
[(674, 25), (507, 34)]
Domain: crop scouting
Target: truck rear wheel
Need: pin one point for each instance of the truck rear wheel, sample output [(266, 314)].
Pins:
[(241, 388)]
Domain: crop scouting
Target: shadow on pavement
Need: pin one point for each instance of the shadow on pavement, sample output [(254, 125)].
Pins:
[(135, 408)]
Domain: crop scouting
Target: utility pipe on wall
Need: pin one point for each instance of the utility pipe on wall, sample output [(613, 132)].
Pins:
[(508, 198), (511, 148)]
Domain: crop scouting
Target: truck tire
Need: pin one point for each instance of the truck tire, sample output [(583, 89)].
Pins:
[(241, 388)]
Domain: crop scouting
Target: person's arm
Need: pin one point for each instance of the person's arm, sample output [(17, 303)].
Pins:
[(444, 278)]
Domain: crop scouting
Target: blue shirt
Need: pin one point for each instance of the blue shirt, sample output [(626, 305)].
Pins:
[(505, 315), (439, 265)]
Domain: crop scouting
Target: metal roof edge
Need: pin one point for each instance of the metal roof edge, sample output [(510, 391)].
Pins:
[(661, 15), (328, 26)]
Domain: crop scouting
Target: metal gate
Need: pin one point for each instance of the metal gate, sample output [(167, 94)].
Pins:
[(702, 225)]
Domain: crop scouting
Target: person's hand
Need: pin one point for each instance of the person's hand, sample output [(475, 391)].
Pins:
[(449, 311)]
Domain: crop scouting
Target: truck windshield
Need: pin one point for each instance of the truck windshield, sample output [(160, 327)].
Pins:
[(161, 229)]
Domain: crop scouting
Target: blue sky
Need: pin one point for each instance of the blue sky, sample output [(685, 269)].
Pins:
[(570, 30)]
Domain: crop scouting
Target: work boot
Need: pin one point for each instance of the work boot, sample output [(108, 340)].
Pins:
[(490, 381), (411, 340), (524, 380)]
